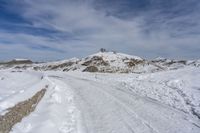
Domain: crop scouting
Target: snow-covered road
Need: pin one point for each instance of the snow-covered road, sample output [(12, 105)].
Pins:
[(108, 109), (80, 104)]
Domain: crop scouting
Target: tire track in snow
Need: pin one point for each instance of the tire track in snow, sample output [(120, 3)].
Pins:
[(186, 99), (123, 108), (132, 111), (63, 109), (128, 110)]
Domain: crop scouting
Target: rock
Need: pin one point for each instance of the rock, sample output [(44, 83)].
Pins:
[(91, 69)]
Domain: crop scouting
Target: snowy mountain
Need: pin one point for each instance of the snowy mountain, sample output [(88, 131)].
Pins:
[(15, 63), (106, 62), (110, 62), (175, 64), (18, 61)]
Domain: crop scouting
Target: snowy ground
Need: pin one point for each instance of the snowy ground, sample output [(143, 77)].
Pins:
[(76, 102)]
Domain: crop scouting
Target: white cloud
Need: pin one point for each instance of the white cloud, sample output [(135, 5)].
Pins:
[(93, 29)]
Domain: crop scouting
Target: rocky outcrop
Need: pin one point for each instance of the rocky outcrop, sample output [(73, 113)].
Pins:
[(91, 69)]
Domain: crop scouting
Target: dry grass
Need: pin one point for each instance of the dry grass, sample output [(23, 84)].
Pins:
[(19, 111)]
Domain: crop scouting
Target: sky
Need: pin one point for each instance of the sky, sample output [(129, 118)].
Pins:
[(46, 30)]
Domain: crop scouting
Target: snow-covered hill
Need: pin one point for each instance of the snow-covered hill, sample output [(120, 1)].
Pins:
[(15, 63), (111, 62), (105, 62), (171, 64)]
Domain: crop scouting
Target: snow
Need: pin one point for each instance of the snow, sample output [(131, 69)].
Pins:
[(115, 59), (77, 102), (61, 61), (13, 87), (115, 56), (20, 59), (56, 112)]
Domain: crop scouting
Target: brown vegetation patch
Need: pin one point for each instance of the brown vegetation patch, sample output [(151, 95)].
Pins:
[(19, 111)]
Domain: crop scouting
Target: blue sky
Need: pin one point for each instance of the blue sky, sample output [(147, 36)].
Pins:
[(57, 29)]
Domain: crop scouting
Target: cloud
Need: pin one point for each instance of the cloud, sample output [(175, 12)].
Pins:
[(66, 28)]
